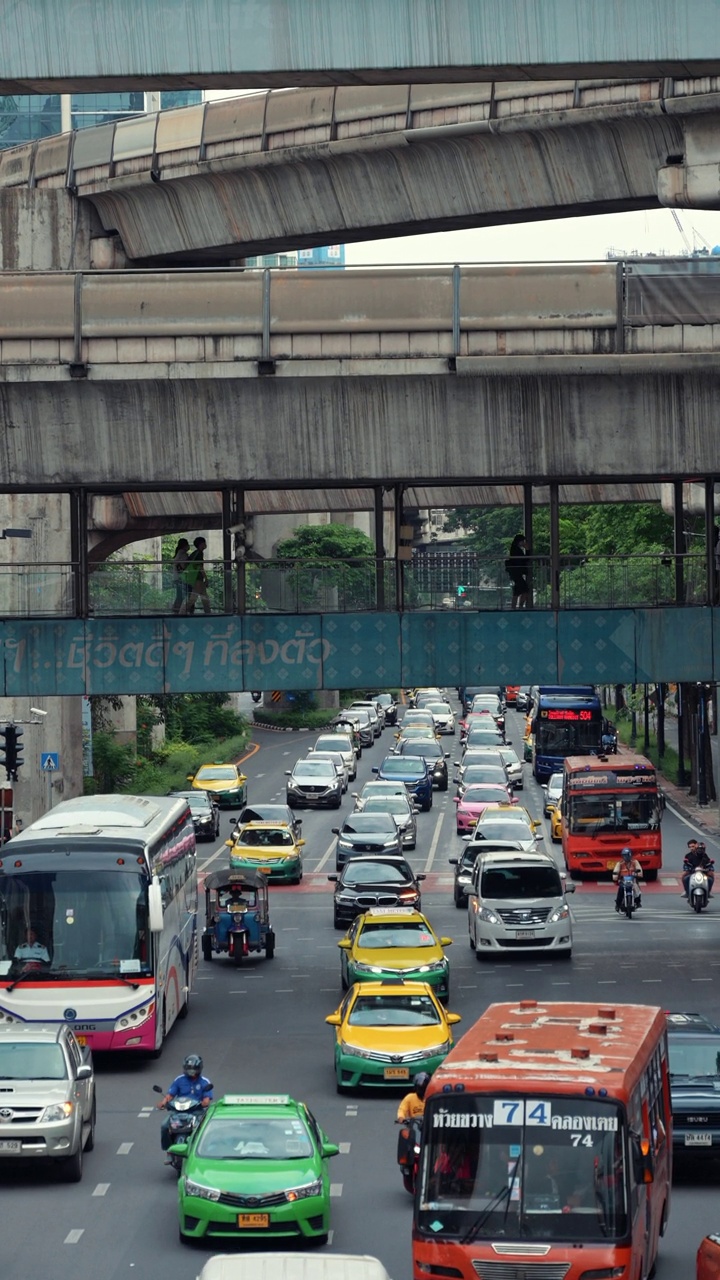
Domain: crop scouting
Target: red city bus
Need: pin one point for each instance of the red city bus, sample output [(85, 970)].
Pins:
[(608, 804), (547, 1146)]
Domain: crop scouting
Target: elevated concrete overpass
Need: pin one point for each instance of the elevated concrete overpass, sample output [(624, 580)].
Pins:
[(279, 170), (590, 374), (98, 45)]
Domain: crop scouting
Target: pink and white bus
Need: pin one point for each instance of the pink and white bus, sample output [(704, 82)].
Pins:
[(98, 919)]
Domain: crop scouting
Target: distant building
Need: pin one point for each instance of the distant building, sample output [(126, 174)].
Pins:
[(27, 117), (329, 255)]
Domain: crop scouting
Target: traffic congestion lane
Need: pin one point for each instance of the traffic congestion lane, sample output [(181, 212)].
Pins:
[(261, 1027)]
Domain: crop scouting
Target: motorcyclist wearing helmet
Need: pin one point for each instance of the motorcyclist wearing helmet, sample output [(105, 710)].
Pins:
[(697, 858), (190, 1084), (413, 1104), (627, 866)]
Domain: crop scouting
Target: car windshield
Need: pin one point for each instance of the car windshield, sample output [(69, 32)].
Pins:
[(267, 813), (484, 795), (375, 935), (357, 872), (375, 789), (22, 1060), (417, 731), (314, 769), (266, 838), (216, 773), (387, 804), (503, 830), (394, 1011), (482, 738), (520, 882), (200, 806), (428, 748), (359, 823), (511, 757), (260, 1138), (484, 773), (385, 700), (401, 766), (690, 1057), (439, 708)]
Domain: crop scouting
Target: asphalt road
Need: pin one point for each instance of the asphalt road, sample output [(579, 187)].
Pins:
[(261, 1028)]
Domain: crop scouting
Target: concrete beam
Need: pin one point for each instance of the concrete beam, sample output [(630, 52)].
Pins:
[(309, 431), (94, 45)]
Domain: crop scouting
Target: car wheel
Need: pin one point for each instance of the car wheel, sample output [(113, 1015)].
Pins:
[(651, 876), (565, 955), (471, 940), (443, 785), (207, 947), (90, 1141), (413, 845), (337, 922), (71, 1169), (270, 946), (343, 981), (427, 805), (317, 1242), (460, 903)]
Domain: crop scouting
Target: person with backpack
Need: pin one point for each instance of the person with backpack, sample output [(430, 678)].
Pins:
[(517, 572), (195, 579)]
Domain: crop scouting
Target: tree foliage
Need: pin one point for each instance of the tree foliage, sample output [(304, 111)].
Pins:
[(326, 542), (601, 529)]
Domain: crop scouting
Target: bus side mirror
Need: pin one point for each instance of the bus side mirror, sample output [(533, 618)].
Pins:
[(155, 906), (643, 1160)]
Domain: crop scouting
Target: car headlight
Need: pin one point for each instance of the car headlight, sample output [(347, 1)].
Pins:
[(346, 897), (359, 967), (436, 1049), (390, 844), (488, 916), (560, 913), (434, 967), (198, 1189), (302, 1193), (344, 844), (292, 784), (58, 1111), (353, 1050)]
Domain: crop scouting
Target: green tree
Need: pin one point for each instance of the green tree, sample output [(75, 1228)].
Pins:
[(191, 717), (317, 547)]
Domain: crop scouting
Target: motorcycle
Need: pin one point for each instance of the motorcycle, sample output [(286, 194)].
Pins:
[(630, 900), (699, 888), (186, 1115), (408, 1152)]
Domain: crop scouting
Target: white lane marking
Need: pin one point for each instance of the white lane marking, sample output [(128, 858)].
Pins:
[(351, 1109), (653, 979), (101, 1189), (259, 775), (696, 979), (686, 823), (344, 1148), (72, 1237), (607, 982), (145, 1113), (239, 991), (124, 1149), (284, 991), (326, 856), (435, 839), (290, 928), (336, 1188)]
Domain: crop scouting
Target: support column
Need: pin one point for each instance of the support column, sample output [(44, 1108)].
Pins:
[(79, 549), (528, 531), (227, 520), (399, 564), (554, 547), (238, 518), (379, 548), (710, 572), (678, 541)]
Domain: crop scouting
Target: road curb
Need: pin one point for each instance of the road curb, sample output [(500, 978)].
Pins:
[(282, 728)]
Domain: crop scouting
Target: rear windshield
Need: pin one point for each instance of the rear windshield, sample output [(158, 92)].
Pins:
[(334, 742), (358, 872), (360, 822), (520, 882), (411, 933), (401, 767)]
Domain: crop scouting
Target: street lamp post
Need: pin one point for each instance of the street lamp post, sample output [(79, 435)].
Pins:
[(702, 781)]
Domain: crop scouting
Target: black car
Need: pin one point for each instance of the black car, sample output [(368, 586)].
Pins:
[(270, 813), (431, 750), (694, 1062), (367, 833), (389, 706), (205, 813), (374, 882)]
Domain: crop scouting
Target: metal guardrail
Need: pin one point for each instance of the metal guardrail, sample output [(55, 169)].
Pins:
[(136, 588)]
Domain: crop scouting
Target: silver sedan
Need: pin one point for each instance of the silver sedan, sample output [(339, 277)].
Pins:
[(403, 811)]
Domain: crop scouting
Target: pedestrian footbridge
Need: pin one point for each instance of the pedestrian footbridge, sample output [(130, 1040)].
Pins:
[(289, 169)]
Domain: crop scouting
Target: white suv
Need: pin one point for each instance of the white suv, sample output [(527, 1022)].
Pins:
[(516, 902)]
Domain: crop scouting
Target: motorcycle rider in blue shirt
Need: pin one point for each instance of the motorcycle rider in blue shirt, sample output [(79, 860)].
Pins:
[(190, 1084)]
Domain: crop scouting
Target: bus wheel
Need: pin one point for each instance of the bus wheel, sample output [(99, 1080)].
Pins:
[(184, 1011), (651, 876), (576, 875)]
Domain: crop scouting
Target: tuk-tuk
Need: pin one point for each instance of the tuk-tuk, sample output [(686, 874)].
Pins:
[(237, 920)]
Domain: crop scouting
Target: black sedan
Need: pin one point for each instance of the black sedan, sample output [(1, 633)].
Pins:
[(269, 813), (367, 833), (374, 882), (389, 706), (429, 749), (205, 813)]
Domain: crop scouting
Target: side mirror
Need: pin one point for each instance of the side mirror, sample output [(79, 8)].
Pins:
[(190, 777), (301, 842), (334, 1020), (335, 831), (335, 877), (229, 843), (570, 888), (288, 773), (453, 861), (544, 786), (155, 906), (466, 839), (355, 795), (375, 769), (178, 1149), (447, 755), (84, 1072), (453, 1018), (421, 876), (344, 944), (446, 942), (642, 1160)]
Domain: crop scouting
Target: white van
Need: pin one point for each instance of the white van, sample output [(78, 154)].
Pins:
[(293, 1266), (339, 742), (516, 902)]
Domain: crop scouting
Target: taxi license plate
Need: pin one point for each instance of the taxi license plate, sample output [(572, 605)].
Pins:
[(253, 1220), (81, 1039), (10, 1146), (396, 1073), (525, 933), (698, 1139)]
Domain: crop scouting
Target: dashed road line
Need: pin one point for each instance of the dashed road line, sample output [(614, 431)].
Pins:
[(73, 1237), (125, 1148), (101, 1189)]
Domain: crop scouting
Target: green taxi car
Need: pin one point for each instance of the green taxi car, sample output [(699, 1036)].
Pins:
[(256, 1168), (394, 942)]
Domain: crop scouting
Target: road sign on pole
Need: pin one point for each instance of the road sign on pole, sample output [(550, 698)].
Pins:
[(49, 761)]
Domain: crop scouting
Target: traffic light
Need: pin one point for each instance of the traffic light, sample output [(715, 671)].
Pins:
[(11, 749)]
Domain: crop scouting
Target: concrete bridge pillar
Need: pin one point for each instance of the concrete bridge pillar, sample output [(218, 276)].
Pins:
[(45, 229)]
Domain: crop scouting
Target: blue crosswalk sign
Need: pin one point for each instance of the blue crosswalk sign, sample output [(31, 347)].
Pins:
[(49, 761)]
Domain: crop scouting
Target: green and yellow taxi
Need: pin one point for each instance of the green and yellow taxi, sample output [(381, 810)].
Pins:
[(386, 1032), (270, 847), (255, 1169), (225, 781), (555, 817), (394, 942)]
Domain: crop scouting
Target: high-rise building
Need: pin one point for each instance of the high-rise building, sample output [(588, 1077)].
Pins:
[(25, 118)]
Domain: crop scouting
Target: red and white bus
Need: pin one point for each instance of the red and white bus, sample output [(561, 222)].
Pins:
[(98, 919), (608, 804), (547, 1146)]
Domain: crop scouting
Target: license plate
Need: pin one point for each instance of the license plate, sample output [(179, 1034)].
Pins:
[(396, 1073), (525, 933), (81, 1039), (253, 1220), (10, 1146), (698, 1139)]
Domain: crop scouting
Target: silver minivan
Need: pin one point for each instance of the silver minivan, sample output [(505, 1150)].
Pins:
[(293, 1266), (517, 902)]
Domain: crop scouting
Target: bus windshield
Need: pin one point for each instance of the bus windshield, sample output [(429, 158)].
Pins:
[(525, 1168), (89, 925), (561, 739), (589, 814)]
